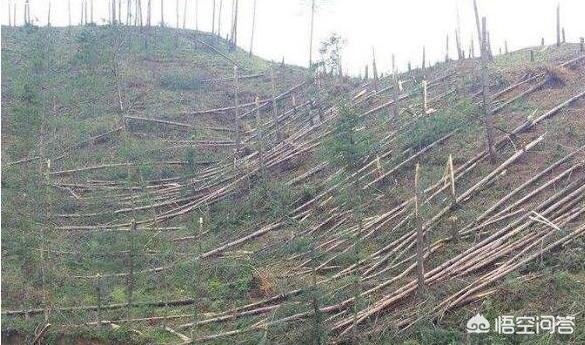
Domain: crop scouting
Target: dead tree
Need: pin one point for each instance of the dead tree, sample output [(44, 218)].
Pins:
[(564, 37), (27, 12), (197, 15), (396, 105), (478, 24), (162, 13), (375, 69), (460, 53), (49, 15), (558, 25), (582, 44), (138, 13), (486, 94), (275, 105), (113, 11), (260, 137), (128, 12), (149, 13), (237, 112), (253, 28), (420, 270), (184, 14), (213, 19), (81, 22), (177, 14), (312, 26), (91, 11), (219, 18), (447, 49), (9, 14), (424, 61), (506, 47)]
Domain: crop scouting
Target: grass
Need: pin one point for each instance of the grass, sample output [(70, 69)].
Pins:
[(59, 85)]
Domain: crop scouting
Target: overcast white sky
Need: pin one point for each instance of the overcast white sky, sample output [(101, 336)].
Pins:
[(391, 26)]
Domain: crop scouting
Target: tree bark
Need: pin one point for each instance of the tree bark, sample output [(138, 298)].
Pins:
[(253, 28), (312, 26), (420, 271), (558, 25), (486, 96)]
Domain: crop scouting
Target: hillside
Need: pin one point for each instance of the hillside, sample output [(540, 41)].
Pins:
[(130, 213)]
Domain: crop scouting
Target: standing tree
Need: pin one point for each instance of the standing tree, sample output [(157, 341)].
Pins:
[(311, 33), (253, 28), (184, 14), (162, 13), (149, 13)]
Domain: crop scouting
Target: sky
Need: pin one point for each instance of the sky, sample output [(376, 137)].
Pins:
[(399, 27)]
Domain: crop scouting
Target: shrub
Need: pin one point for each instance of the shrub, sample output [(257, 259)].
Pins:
[(432, 127)]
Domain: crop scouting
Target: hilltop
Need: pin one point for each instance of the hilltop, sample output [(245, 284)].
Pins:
[(134, 194)]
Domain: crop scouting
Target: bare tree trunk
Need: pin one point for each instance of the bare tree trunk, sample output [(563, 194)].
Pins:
[(9, 14), (564, 37), (213, 19), (458, 46), (253, 28), (27, 12), (82, 8), (582, 44), (98, 297), (460, 53), (558, 25), (128, 12), (420, 270), (486, 95), (130, 277), (114, 12), (447, 49), (275, 106), (375, 69), (236, 24), (396, 94), (185, 14), (472, 49), (425, 108), (237, 112), (120, 11), (260, 138), (138, 13), (162, 13), (197, 15), (311, 34), (177, 14), (219, 18), (49, 15), (454, 228), (149, 13), (478, 24), (424, 62)]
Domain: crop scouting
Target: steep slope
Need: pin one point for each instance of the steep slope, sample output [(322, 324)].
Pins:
[(129, 202)]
